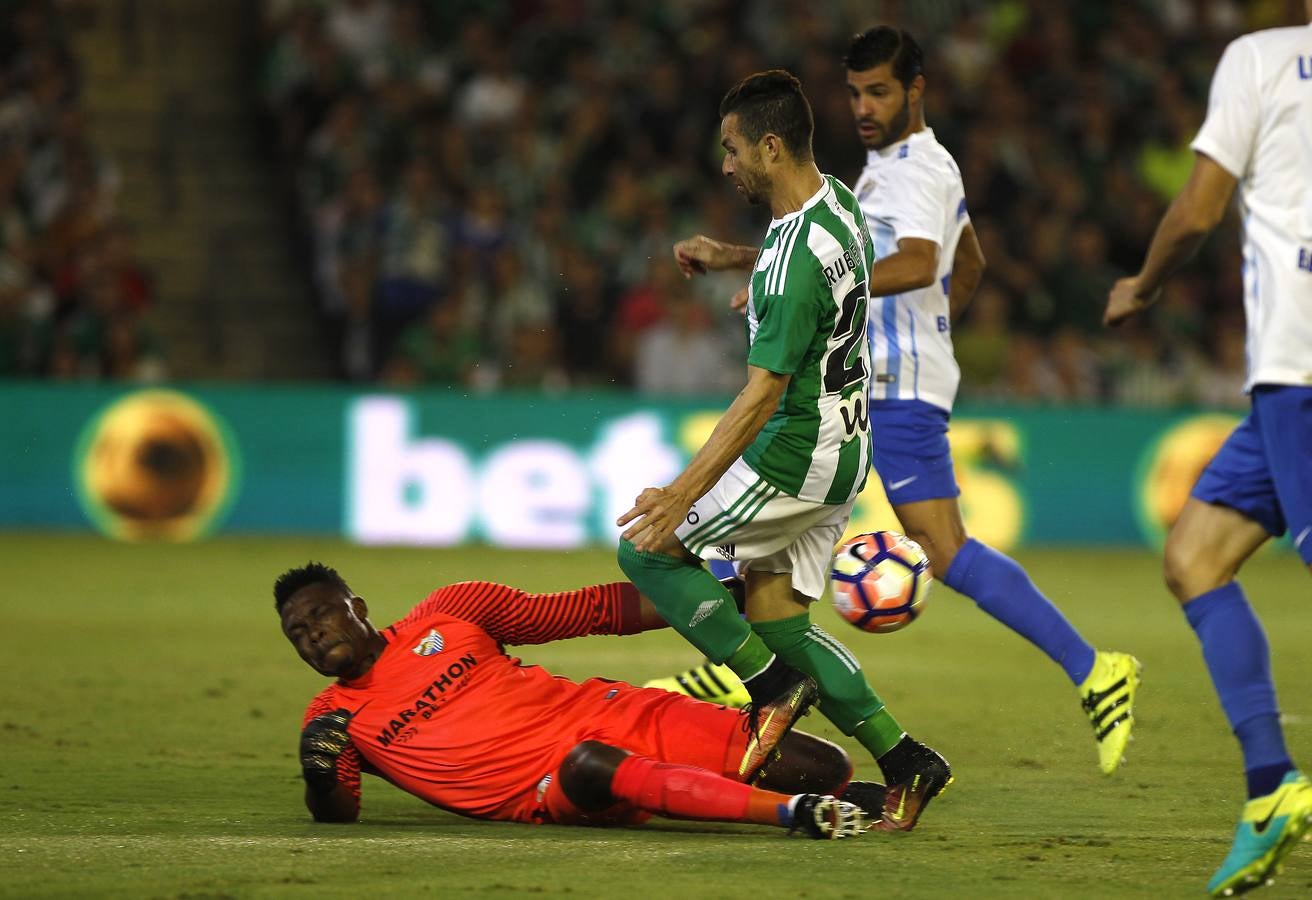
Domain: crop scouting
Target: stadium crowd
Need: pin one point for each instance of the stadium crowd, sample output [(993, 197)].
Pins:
[(73, 298), (491, 189)]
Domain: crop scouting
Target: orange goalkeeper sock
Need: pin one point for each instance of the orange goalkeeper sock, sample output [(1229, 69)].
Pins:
[(687, 792)]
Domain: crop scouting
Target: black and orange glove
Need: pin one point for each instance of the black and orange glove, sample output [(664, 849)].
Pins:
[(323, 740)]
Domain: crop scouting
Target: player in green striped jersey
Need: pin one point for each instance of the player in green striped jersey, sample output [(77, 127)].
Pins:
[(775, 483)]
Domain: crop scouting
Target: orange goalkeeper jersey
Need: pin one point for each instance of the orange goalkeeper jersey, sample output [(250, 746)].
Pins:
[(447, 715)]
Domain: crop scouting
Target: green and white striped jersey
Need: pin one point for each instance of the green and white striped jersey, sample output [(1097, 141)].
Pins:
[(806, 317)]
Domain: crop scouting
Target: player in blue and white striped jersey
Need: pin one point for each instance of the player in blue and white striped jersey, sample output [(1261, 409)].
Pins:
[(928, 264), (1257, 137)]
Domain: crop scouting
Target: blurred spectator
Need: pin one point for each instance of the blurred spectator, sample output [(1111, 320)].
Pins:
[(74, 300), (415, 248), (517, 301), (1076, 367), (1149, 373), (583, 317), (360, 29), (683, 355), (981, 342), (440, 350), (103, 337), (1221, 384), (552, 152), (1081, 282)]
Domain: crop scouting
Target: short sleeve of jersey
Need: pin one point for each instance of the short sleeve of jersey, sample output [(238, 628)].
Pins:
[(911, 201), (1229, 133), (786, 324), (348, 764)]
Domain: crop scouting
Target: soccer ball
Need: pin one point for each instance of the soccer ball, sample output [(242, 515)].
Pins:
[(880, 581)]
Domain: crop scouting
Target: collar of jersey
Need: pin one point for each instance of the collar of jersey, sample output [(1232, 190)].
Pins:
[(811, 201), (873, 157)]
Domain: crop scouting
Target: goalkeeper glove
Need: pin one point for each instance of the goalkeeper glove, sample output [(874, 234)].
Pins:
[(322, 741)]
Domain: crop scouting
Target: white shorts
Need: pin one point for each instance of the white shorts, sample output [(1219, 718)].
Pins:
[(745, 518)]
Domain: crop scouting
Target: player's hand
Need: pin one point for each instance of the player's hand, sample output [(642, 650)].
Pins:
[(654, 516), (699, 255), (738, 303), (323, 740), (1124, 300)]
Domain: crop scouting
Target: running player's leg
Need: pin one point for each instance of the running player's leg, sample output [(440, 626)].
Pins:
[(1233, 510), (1238, 502), (686, 594), (740, 505), (1204, 551), (995, 581), (780, 589), (846, 697), (1107, 681), (710, 681), (913, 460)]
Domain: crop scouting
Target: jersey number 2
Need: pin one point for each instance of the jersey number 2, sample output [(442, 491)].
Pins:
[(851, 314)]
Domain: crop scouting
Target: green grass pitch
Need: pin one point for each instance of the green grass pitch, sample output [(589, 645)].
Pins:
[(150, 709)]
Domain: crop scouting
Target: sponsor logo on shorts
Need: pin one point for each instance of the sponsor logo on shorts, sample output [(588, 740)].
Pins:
[(430, 645), (542, 787), (726, 550), (898, 485), (704, 612)]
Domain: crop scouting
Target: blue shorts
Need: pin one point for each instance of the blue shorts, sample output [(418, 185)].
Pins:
[(1264, 469), (909, 449)]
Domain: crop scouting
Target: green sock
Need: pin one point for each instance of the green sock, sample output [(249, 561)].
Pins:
[(846, 698), (698, 607), (751, 658), (879, 733)]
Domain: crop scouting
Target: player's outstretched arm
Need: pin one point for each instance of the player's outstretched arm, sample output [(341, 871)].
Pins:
[(512, 616), (967, 271), (699, 255), (658, 511), (1193, 214), (325, 749)]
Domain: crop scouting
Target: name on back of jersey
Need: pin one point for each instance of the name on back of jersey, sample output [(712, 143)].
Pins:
[(843, 264)]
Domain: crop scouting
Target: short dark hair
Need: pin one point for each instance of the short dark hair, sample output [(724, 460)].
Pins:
[(293, 580), (881, 44), (772, 102)]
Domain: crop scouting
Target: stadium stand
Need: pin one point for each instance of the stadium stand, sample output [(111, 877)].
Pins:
[(74, 301), (485, 192), (496, 185)]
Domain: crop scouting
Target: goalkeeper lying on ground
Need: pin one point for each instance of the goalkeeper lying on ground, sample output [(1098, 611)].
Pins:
[(434, 705)]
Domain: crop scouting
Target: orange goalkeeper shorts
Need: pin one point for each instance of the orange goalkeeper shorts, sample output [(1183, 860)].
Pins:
[(649, 722)]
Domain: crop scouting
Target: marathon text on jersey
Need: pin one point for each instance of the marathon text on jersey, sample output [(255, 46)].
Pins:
[(427, 702)]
